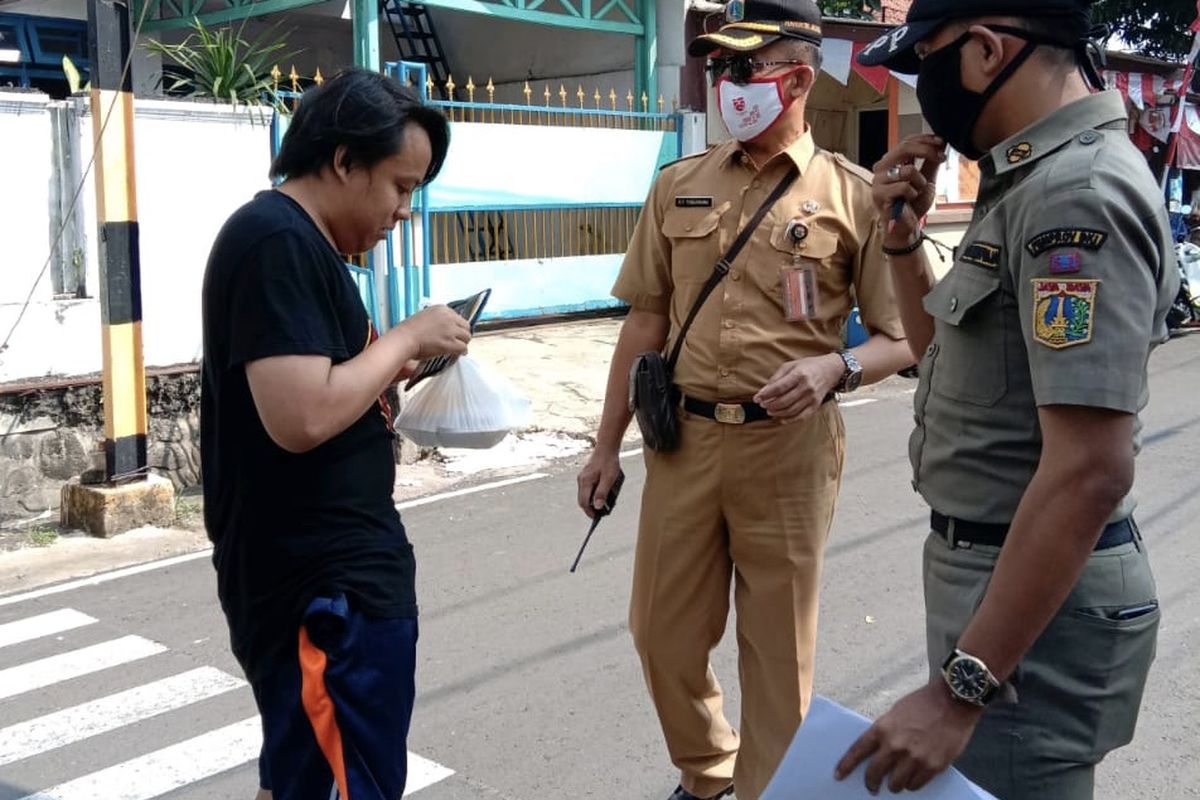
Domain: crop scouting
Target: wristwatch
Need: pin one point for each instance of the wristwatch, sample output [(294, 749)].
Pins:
[(852, 377), (969, 679)]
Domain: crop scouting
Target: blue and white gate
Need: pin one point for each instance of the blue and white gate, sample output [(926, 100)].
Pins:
[(537, 202)]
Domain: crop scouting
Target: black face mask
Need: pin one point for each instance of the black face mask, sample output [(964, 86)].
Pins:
[(951, 109)]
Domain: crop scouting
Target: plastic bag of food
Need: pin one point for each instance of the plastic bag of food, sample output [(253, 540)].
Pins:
[(463, 406)]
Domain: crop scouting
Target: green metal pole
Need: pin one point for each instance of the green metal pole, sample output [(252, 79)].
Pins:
[(645, 70), (364, 15)]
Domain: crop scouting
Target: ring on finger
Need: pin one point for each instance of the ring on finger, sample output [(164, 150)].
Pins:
[(893, 173)]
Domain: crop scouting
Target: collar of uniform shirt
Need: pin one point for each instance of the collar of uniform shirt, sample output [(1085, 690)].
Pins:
[(801, 153), (1050, 133)]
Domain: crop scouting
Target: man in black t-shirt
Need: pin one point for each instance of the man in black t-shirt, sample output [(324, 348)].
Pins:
[(314, 570)]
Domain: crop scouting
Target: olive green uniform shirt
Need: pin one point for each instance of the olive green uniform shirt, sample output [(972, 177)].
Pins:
[(1059, 292)]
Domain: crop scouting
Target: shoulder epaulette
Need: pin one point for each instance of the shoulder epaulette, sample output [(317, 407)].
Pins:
[(687, 157), (852, 168)]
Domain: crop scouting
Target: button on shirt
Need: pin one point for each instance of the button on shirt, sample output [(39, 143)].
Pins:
[(1058, 294), (741, 336)]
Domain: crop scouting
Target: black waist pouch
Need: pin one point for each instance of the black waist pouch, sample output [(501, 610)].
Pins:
[(654, 401)]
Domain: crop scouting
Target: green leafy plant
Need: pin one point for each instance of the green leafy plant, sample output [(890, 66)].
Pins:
[(43, 537), (74, 80), (186, 508), (1156, 28), (223, 65)]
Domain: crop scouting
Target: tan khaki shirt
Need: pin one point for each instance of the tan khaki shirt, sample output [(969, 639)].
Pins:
[(1059, 292), (741, 337)]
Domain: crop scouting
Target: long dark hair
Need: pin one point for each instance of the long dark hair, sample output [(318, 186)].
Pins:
[(367, 113)]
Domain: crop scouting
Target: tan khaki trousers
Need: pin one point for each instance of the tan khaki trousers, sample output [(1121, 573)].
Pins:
[(752, 503)]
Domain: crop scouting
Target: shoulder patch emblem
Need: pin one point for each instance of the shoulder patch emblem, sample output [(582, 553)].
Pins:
[(1066, 237), (982, 254), (1064, 312)]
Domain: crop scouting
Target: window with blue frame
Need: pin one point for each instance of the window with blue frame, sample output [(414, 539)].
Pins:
[(32, 49)]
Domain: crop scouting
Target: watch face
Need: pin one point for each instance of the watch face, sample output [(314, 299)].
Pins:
[(853, 381), (967, 678)]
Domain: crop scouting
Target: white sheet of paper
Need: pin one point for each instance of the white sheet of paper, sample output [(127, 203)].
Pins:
[(826, 735)]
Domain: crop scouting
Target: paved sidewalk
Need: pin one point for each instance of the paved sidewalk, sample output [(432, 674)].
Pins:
[(562, 368)]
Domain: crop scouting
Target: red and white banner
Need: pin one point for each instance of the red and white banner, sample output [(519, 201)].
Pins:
[(840, 58), (1141, 88), (1188, 154)]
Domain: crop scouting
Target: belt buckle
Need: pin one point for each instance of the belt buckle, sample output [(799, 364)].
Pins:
[(730, 414), (951, 540)]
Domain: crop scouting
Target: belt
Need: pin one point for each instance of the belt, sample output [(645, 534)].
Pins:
[(959, 531), (726, 413), (730, 413)]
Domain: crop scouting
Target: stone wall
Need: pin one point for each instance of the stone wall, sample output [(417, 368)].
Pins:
[(49, 435)]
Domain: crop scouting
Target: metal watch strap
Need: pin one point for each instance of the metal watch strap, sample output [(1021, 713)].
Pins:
[(723, 266), (851, 365)]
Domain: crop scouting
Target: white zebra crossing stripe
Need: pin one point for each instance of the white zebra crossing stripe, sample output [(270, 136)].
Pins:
[(166, 770), (422, 773), (179, 765), (47, 671), (112, 712), (24, 630)]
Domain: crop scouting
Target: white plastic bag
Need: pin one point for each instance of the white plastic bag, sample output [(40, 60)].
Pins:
[(463, 406)]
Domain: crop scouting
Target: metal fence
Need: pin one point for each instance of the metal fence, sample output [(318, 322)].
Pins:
[(489, 230)]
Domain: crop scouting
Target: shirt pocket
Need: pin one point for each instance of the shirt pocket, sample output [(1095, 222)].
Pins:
[(819, 247), (695, 241), (971, 359)]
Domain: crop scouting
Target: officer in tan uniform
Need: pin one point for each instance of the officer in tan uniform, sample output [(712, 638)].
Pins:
[(1041, 610), (749, 495)]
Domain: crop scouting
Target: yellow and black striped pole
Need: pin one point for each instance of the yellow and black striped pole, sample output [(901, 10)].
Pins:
[(120, 267)]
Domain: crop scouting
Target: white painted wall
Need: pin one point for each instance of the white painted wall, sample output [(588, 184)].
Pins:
[(24, 193), (197, 163)]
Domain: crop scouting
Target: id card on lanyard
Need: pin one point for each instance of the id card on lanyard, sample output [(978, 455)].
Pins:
[(799, 280), (800, 292)]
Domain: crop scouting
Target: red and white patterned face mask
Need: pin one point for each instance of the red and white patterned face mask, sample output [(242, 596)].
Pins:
[(749, 110)]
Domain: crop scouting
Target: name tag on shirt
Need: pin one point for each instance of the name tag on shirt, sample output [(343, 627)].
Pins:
[(693, 202)]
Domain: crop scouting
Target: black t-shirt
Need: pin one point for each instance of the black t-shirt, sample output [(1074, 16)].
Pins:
[(288, 527)]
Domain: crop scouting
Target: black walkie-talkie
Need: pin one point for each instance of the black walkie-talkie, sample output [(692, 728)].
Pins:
[(601, 513)]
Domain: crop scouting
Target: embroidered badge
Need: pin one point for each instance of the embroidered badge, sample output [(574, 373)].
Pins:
[(1066, 263), (1066, 237), (1063, 312), (1019, 152), (693, 202), (982, 254), (735, 11)]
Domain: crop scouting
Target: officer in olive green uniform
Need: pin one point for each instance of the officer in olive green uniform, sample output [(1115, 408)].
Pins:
[(1041, 608)]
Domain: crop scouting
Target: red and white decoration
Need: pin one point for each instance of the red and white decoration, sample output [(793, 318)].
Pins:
[(1143, 89)]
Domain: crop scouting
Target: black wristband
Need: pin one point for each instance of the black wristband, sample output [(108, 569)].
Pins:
[(904, 251)]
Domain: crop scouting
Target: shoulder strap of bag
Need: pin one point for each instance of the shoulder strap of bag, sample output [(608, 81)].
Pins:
[(723, 266)]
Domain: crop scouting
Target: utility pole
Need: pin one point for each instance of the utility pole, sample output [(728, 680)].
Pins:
[(129, 496)]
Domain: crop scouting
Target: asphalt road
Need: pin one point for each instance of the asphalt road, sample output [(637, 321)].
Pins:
[(528, 685)]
